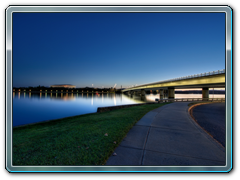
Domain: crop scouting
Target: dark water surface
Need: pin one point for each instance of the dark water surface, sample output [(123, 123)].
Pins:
[(36, 107)]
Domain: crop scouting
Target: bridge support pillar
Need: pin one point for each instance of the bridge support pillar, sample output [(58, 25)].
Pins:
[(161, 93), (205, 92), (171, 93), (142, 92)]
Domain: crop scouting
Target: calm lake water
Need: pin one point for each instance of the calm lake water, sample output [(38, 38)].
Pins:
[(36, 107)]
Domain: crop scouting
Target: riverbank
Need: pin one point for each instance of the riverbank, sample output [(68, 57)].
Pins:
[(80, 140)]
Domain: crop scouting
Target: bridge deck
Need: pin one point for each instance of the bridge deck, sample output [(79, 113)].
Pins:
[(196, 81)]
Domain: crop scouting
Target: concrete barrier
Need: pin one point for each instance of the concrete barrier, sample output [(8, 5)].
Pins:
[(110, 108)]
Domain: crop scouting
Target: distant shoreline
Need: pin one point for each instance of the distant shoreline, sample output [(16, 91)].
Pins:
[(59, 92), (100, 92)]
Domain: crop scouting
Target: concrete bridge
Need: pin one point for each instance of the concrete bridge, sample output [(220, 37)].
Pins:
[(213, 79)]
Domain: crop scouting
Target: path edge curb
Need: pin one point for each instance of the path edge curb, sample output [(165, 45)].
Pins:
[(201, 129)]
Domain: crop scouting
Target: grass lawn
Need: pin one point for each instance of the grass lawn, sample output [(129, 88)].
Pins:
[(78, 140)]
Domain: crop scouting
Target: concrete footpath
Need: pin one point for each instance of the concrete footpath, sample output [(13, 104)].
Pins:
[(168, 136)]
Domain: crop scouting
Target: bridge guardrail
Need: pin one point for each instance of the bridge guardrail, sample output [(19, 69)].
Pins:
[(197, 75)]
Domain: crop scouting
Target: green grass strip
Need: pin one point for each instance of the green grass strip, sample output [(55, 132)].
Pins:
[(78, 140)]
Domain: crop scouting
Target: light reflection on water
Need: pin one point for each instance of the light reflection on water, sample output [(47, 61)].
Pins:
[(178, 96), (35, 107)]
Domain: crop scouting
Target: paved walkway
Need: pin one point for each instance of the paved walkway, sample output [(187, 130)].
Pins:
[(168, 136)]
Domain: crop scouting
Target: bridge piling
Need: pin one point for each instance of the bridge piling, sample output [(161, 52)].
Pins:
[(171, 93), (161, 93), (205, 93), (142, 92)]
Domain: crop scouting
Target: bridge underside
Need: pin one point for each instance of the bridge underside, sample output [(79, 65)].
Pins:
[(187, 87)]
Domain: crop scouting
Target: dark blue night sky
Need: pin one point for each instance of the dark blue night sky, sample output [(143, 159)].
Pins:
[(104, 49)]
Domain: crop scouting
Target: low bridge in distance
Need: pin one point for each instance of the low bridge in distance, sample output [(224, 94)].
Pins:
[(213, 79)]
